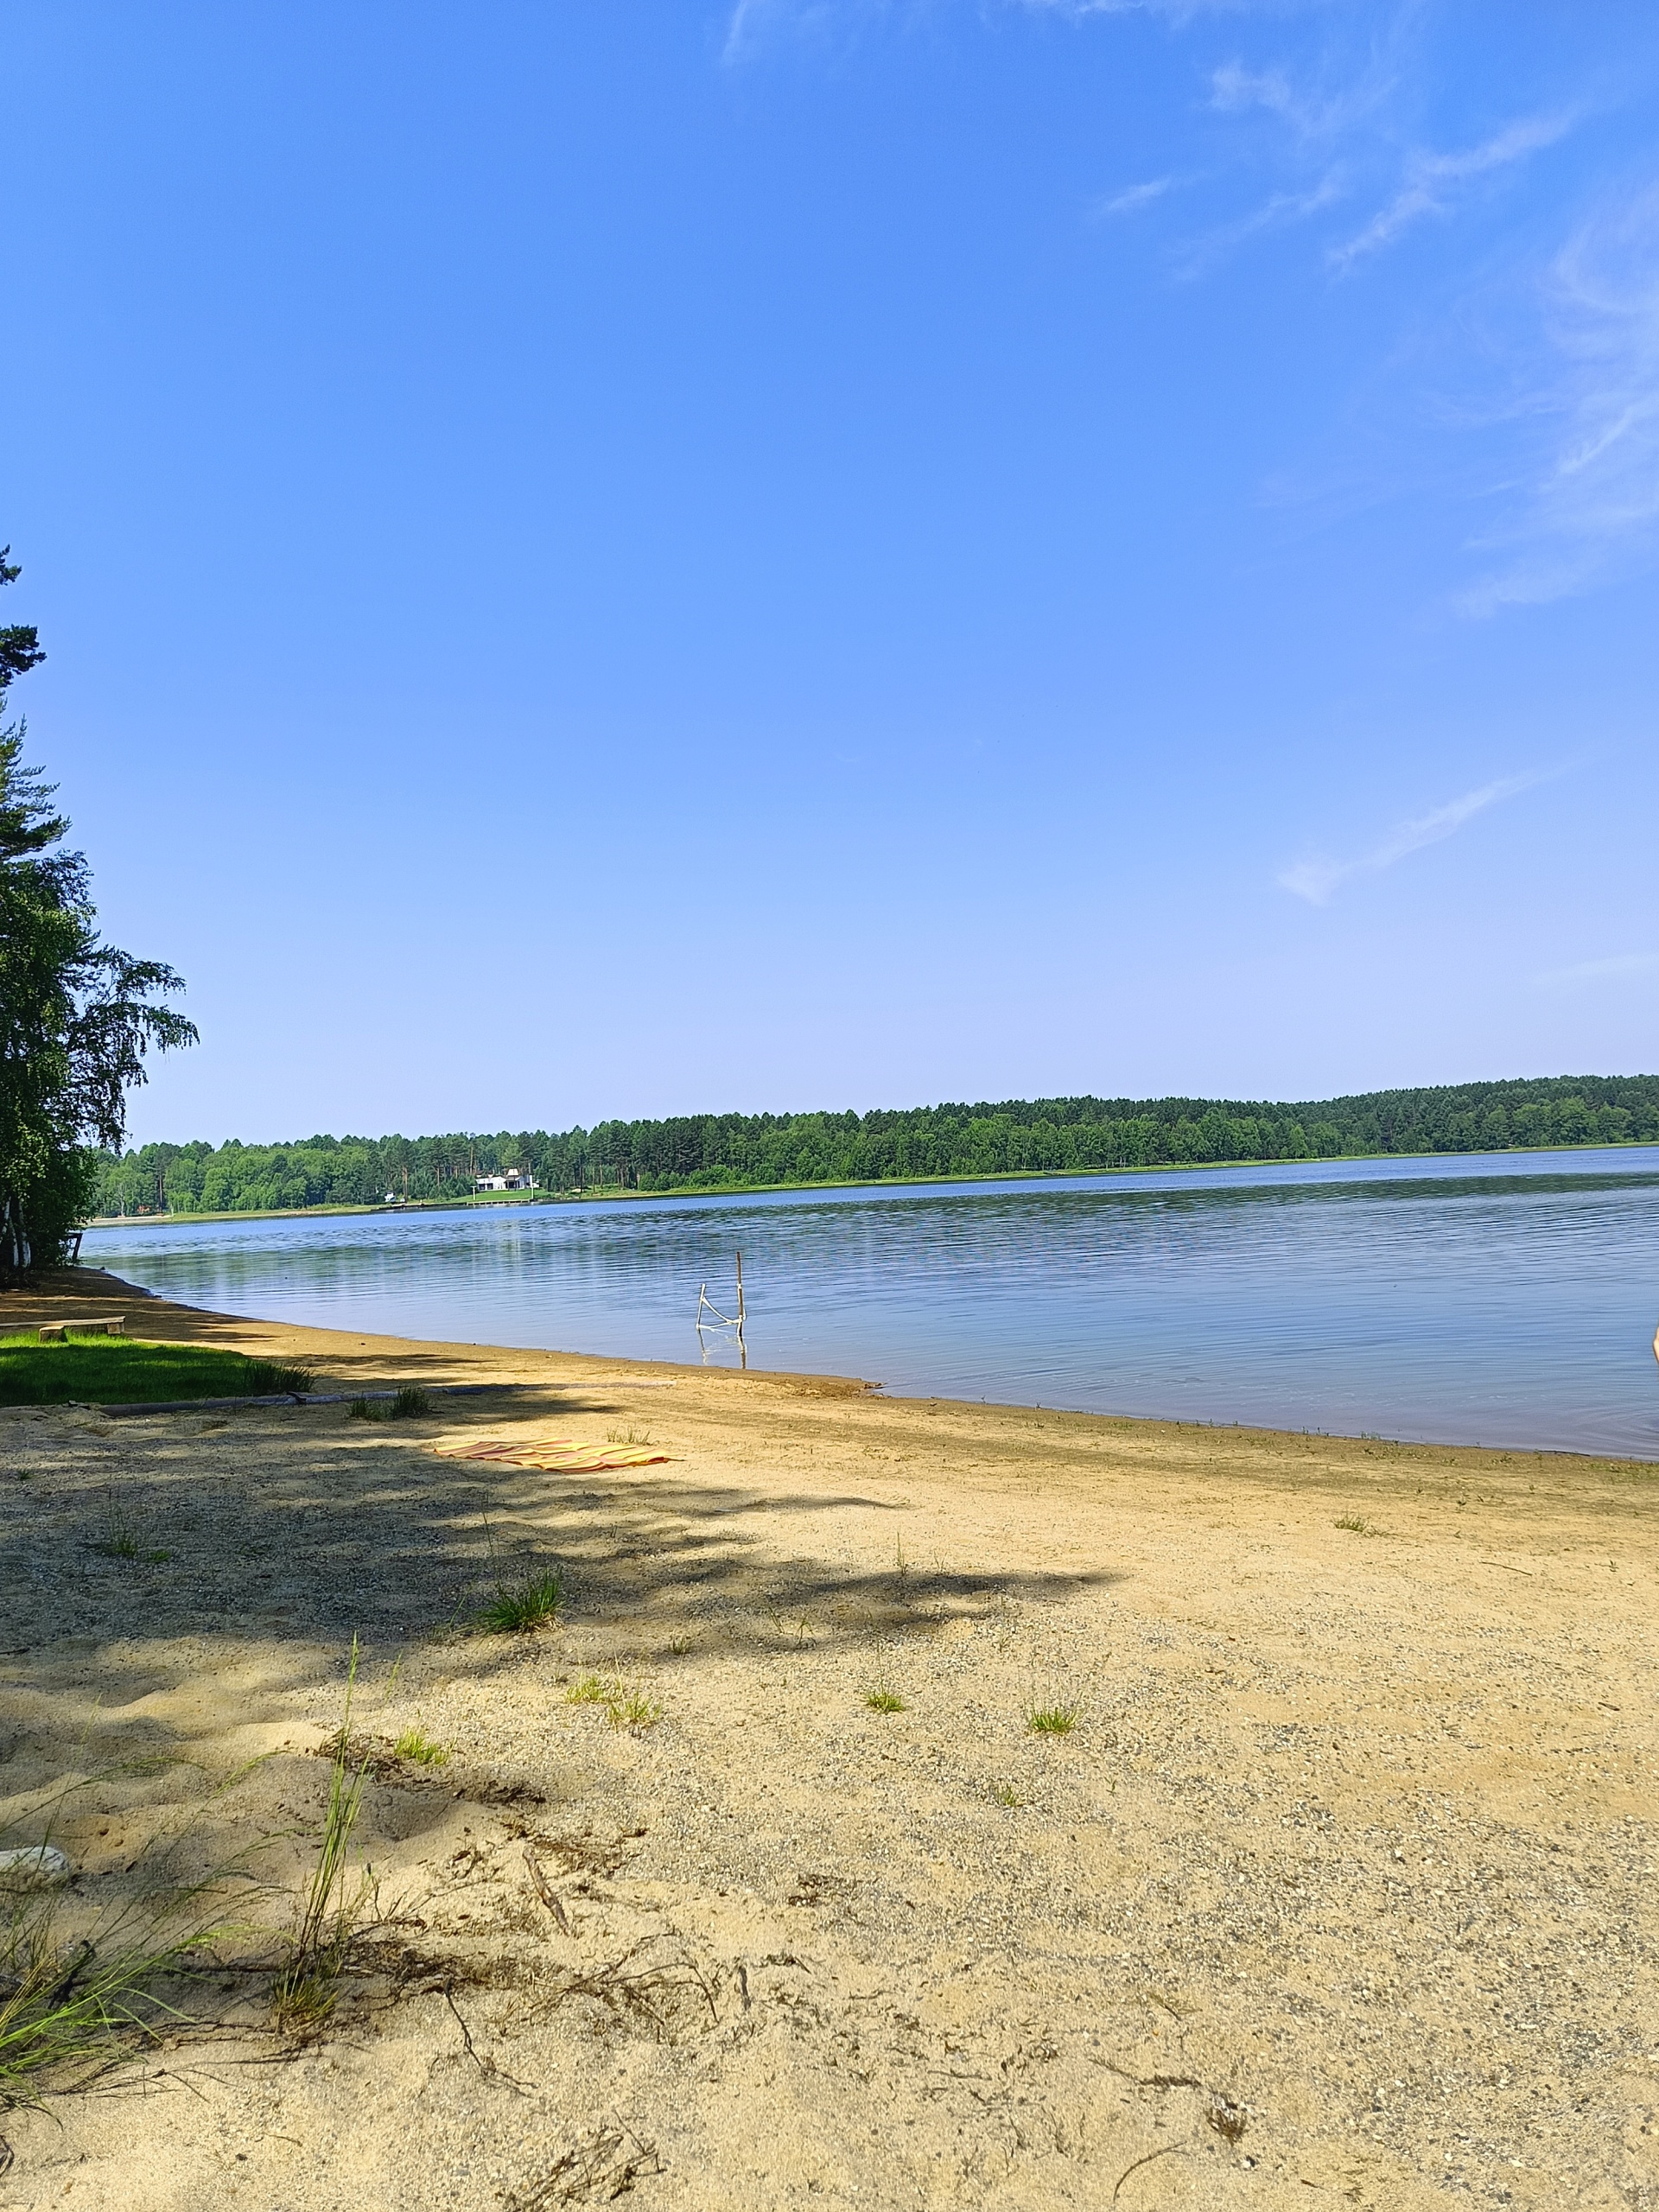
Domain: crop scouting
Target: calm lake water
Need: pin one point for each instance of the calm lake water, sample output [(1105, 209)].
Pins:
[(1497, 1300)]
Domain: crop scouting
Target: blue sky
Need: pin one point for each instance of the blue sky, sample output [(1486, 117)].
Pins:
[(623, 558)]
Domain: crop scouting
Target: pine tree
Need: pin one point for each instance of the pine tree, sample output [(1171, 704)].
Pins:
[(77, 1016)]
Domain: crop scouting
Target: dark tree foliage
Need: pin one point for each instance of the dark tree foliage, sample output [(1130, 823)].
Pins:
[(76, 1016), (712, 1151), (20, 642)]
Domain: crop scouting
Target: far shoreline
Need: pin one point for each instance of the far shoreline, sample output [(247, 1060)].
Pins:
[(605, 1197)]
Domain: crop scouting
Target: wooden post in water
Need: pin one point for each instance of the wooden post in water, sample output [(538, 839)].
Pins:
[(733, 1322)]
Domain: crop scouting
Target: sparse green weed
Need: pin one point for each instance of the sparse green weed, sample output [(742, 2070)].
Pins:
[(1357, 1525), (419, 1749), (123, 1539), (1006, 1794), (625, 1704), (634, 1708), (629, 1435), (882, 1700)]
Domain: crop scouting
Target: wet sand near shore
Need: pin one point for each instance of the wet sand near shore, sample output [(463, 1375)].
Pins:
[(1339, 1890)]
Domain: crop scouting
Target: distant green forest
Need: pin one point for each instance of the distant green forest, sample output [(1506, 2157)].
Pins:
[(708, 1151)]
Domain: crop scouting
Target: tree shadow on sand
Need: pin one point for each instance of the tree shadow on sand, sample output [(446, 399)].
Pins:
[(141, 1552)]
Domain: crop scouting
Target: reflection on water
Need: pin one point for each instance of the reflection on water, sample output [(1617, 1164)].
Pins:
[(1503, 1300)]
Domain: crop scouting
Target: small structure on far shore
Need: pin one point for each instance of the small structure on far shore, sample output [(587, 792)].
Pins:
[(512, 1180)]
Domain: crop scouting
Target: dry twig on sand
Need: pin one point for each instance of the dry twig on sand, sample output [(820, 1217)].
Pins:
[(601, 2168)]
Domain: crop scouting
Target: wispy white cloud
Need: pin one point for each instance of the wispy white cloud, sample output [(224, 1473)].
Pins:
[(1619, 966), (1178, 11), (1432, 181), (1317, 878), (750, 21), (1590, 506), (1233, 86), (1136, 196), (1330, 127), (747, 20), (1280, 208), (1234, 90), (1575, 499), (1316, 134), (740, 25)]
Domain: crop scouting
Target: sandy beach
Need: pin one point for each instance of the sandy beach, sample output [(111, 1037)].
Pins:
[(1340, 1889)]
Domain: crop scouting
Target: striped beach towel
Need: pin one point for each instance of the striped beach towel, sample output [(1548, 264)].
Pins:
[(555, 1453)]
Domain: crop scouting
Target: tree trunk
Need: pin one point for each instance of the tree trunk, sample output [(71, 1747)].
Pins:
[(15, 1252)]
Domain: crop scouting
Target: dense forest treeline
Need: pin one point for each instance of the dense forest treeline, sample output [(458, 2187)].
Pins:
[(701, 1152)]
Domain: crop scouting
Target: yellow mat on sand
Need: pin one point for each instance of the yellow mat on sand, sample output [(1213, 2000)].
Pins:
[(555, 1452)]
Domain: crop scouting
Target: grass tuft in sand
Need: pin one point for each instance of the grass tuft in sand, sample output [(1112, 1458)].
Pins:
[(1052, 1717), (78, 1998), (124, 1538), (532, 1602), (69, 2010), (411, 1402), (419, 1749), (331, 1908)]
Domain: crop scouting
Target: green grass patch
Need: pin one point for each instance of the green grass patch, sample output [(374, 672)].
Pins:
[(882, 1700), (128, 1371)]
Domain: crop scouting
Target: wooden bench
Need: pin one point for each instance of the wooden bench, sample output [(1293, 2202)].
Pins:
[(97, 1325)]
